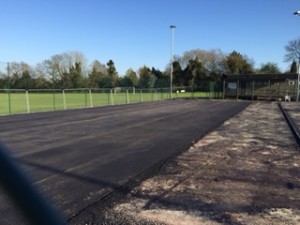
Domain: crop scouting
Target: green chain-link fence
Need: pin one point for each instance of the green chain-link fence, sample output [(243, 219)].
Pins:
[(14, 101)]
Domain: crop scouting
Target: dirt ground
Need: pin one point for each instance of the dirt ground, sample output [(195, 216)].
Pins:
[(247, 171)]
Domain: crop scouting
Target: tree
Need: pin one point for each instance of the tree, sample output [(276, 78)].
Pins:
[(26, 81), (97, 74), (41, 77), (112, 75), (4, 82), (293, 67), (42, 83), (236, 63), (147, 79), (21, 76), (269, 68), (292, 51), (178, 74), (161, 79), (55, 68), (212, 60), (58, 69), (194, 73), (130, 79), (75, 76)]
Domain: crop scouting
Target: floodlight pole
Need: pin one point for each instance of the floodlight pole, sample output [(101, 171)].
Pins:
[(297, 13), (172, 27)]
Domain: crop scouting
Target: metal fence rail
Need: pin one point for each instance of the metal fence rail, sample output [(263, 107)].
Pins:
[(15, 101)]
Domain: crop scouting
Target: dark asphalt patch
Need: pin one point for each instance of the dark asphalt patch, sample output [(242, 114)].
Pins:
[(77, 157)]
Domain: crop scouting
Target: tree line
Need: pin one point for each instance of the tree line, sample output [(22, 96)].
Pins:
[(70, 70)]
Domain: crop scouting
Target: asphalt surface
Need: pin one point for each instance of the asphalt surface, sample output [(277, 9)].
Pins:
[(77, 157)]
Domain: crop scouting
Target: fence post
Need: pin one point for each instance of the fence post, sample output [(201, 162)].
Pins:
[(152, 96), (91, 98), (64, 99), (53, 99), (111, 97), (9, 101), (127, 97), (9, 97), (27, 101), (85, 98), (141, 95)]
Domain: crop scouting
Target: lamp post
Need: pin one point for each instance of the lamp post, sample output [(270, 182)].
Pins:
[(172, 27), (297, 13)]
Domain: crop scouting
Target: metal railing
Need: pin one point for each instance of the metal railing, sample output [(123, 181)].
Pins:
[(16, 101)]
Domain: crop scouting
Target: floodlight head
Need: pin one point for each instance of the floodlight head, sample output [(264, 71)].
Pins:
[(172, 26), (297, 13)]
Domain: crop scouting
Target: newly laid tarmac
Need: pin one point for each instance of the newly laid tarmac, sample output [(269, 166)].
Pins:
[(77, 157)]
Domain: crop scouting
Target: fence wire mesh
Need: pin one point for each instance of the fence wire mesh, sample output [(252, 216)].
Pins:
[(14, 101)]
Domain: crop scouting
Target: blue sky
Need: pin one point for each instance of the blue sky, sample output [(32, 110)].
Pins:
[(134, 33)]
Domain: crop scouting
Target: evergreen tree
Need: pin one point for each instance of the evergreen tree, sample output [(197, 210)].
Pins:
[(194, 73), (178, 75), (130, 79), (75, 76), (161, 79), (26, 81), (293, 67), (147, 79), (97, 75), (269, 68), (112, 75), (238, 64)]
